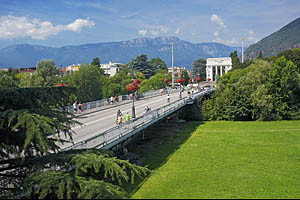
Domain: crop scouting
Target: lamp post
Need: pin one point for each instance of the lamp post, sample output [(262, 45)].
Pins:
[(172, 43), (61, 74), (243, 50), (133, 86), (180, 81), (198, 81)]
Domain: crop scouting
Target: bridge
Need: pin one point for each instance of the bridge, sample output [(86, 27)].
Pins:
[(99, 129)]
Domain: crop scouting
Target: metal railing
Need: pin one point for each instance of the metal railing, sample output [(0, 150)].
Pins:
[(108, 136), (102, 139), (103, 102)]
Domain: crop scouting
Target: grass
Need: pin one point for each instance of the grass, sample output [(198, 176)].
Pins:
[(227, 160)]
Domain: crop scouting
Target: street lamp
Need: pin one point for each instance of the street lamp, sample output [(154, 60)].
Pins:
[(132, 87), (180, 81), (172, 43)]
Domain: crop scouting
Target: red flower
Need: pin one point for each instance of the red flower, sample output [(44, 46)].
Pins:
[(198, 79), (191, 80), (136, 81), (166, 80), (132, 87), (181, 80), (61, 85), (208, 79)]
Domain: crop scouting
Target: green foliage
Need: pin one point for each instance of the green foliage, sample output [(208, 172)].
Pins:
[(45, 74), (90, 174), (158, 64), (260, 56), (292, 55), (96, 62), (87, 82), (154, 82), (7, 81), (262, 91), (199, 69), (140, 64), (235, 60)]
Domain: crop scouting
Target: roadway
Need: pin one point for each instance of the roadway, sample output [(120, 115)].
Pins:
[(99, 121)]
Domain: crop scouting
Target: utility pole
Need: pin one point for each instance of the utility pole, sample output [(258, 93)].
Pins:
[(172, 43), (243, 50)]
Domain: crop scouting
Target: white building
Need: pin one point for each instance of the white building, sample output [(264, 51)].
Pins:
[(216, 66), (73, 68), (111, 68)]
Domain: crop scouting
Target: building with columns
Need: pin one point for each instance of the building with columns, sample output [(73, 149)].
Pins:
[(216, 67)]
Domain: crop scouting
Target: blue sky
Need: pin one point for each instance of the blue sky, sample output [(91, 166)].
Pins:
[(59, 23)]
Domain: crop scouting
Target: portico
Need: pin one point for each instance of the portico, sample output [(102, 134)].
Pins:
[(216, 66)]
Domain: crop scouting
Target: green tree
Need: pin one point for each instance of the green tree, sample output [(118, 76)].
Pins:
[(87, 82), (154, 82), (7, 80), (30, 129), (96, 62), (235, 60), (260, 56), (140, 64), (46, 74), (292, 55), (158, 64), (199, 69)]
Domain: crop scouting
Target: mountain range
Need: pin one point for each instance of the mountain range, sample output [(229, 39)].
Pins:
[(185, 53), (288, 37)]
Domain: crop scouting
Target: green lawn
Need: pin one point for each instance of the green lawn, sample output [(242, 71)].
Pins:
[(228, 160)]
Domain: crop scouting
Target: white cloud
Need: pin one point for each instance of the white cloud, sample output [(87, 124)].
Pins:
[(251, 37), (251, 32), (143, 32), (216, 33), (19, 27), (233, 41), (218, 20), (153, 30)]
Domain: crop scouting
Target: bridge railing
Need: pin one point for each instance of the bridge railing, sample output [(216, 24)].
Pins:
[(103, 102), (110, 135)]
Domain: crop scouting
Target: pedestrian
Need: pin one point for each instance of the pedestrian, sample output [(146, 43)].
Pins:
[(168, 98), (80, 107), (119, 113), (75, 107), (116, 99), (119, 119), (111, 100), (127, 117)]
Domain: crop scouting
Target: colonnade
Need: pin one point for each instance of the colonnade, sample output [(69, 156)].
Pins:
[(216, 67)]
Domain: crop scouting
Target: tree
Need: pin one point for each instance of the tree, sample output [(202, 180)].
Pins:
[(235, 60), (96, 62), (260, 56), (158, 64), (29, 167), (140, 64), (45, 74), (292, 55), (87, 82), (199, 69), (8, 80)]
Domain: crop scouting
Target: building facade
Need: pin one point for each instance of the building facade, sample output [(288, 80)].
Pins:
[(216, 67)]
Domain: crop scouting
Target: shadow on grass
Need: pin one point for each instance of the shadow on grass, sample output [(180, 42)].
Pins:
[(160, 142)]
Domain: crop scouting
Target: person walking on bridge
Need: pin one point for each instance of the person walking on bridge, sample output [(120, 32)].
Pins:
[(127, 117), (168, 98)]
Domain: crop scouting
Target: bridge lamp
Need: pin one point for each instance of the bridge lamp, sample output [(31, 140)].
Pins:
[(132, 87), (180, 81)]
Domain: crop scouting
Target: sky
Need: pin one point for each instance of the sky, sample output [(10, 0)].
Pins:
[(58, 23)]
